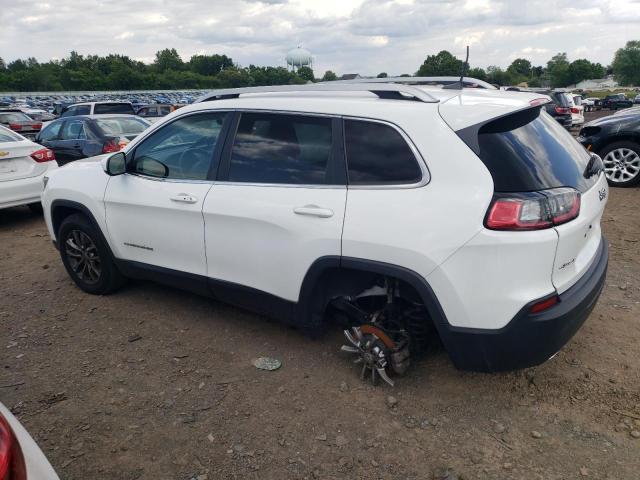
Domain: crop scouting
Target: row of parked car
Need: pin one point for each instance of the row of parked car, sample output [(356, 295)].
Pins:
[(55, 102)]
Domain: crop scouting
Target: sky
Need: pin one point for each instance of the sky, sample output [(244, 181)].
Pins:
[(345, 36)]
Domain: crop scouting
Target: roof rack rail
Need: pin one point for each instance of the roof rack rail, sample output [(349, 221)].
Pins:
[(467, 81), (392, 91)]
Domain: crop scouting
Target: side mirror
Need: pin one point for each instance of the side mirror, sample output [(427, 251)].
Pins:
[(116, 164)]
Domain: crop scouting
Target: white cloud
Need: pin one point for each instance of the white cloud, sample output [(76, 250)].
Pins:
[(366, 36)]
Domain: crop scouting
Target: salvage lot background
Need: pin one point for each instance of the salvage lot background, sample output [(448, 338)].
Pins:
[(154, 383)]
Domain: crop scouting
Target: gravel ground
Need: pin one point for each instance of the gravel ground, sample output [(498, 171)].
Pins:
[(155, 383)]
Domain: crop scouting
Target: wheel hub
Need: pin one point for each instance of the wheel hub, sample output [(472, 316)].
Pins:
[(376, 352)]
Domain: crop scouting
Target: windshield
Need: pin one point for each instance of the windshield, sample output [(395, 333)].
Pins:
[(120, 126), (530, 151)]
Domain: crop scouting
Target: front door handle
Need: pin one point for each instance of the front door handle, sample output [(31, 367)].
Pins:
[(314, 211), (184, 198)]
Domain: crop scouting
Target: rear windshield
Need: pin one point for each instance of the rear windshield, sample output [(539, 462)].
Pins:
[(6, 117), (560, 99), (8, 136), (101, 108), (529, 151), (120, 126)]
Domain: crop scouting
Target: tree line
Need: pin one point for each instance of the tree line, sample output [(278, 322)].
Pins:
[(170, 71), (558, 72)]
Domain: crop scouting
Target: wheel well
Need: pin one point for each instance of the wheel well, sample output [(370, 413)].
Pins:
[(336, 277), (621, 138), (59, 213)]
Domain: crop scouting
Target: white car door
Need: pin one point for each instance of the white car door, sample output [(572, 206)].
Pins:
[(279, 203), (154, 211)]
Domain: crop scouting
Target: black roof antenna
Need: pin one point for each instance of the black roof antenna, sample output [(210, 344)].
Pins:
[(460, 84)]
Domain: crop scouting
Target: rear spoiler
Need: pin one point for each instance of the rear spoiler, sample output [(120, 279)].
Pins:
[(507, 121)]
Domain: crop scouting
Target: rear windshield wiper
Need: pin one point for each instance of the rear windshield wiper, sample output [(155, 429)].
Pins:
[(594, 166)]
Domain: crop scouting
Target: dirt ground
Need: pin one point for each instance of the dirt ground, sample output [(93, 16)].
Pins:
[(155, 383)]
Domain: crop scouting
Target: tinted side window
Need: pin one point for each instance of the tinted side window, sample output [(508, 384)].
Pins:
[(101, 108), (184, 147), (50, 132), (279, 148), (378, 155), (73, 130)]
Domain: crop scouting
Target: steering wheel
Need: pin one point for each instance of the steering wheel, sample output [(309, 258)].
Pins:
[(196, 158)]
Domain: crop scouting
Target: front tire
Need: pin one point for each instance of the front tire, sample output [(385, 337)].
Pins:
[(622, 163), (86, 256)]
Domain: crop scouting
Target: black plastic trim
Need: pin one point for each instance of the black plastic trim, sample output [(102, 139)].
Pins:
[(80, 208), (530, 339)]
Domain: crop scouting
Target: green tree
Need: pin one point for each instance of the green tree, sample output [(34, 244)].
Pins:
[(441, 64), (168, 59), (382, 75), (478, 73), (498, 76), (558, 70), (306, 73), (329, 76), (209, 64), (520, 70), (3, 66), (583, 69), (626, 64)]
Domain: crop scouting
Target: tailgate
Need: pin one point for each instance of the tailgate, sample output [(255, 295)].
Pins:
[(16, 163), (578, 240)]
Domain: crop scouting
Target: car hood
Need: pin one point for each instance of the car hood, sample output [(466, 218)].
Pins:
[(616, 121)]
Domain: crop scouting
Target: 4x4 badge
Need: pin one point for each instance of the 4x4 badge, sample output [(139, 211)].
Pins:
[(602, 194)]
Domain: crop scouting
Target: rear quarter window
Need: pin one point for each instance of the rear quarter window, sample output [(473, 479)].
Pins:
[(377, 154)]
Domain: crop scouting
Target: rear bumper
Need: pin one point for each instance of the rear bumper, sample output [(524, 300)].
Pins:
[(530, 339), (21, 192)]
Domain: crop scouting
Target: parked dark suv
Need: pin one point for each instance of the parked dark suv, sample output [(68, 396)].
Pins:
[(559, 108), (73, 138), (616, 101)]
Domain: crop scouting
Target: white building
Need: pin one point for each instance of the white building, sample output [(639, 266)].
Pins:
[(598, 84)]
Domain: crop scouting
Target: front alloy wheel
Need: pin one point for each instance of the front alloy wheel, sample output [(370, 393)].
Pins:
[(83, 256), (622, 164), (86, 256)]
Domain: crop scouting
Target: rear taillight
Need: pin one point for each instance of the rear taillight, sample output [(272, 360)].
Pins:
[(15, 126), (563, 110), (110, 147), (36, 126), (12, 465), (41, 156), (533, 210), (575, 110)]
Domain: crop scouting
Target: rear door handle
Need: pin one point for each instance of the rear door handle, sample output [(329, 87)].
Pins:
[(184, 198), (313, 211)]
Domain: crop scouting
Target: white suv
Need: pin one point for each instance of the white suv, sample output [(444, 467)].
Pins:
[(404, 211)]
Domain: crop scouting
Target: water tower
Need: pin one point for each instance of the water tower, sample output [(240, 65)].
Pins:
[(298, 57)]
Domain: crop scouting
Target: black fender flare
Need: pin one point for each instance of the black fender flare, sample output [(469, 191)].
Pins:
[(313, 279), (80, 208)]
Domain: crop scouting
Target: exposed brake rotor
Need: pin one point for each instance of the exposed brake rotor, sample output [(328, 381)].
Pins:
[(376, 351)]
